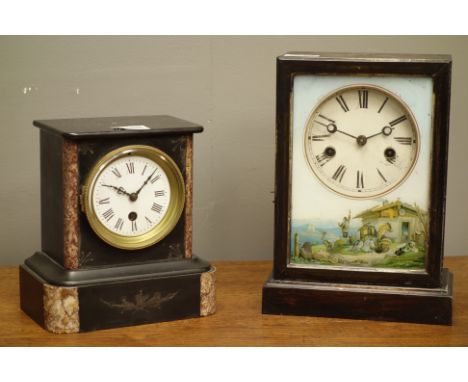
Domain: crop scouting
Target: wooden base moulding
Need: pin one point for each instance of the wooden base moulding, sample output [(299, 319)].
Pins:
[(375, 302)]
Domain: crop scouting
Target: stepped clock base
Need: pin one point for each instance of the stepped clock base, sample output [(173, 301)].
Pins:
[(386, 303), (64, 301)]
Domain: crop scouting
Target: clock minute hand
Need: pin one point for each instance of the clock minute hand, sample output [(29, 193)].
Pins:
[(331, 128), (146, 181), (349, 135)]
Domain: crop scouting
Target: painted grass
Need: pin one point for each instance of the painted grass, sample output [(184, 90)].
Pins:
[(409, 260)]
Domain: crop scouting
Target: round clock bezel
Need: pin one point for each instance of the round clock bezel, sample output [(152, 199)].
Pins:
[(377, 88), (174, 210)]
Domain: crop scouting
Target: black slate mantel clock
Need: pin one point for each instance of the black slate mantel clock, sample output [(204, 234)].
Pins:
[(116, 201), (361, 172)]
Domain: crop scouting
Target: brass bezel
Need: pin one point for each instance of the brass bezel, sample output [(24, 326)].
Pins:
[(380, 89), (170, 219)]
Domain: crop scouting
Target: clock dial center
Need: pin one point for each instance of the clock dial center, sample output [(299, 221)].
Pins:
[(361, 140)]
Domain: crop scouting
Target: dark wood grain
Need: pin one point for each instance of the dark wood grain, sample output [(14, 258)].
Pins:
[(238, 321), (437, 67)]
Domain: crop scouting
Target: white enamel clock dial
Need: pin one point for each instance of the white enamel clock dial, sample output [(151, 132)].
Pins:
[(134, 196), (361, 141), (131, 195)]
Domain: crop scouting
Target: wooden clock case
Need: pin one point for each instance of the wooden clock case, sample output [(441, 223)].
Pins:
[(77, 282), (420, 296)]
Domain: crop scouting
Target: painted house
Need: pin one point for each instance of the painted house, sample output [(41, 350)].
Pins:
[(396, 220)]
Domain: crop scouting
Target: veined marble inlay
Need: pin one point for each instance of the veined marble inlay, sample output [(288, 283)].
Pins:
[(208, 292), (61, 309)]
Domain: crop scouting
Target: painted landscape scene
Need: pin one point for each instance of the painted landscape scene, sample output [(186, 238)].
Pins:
[(388, 235)]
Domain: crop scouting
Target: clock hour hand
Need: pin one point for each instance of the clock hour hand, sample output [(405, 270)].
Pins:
[(120, 190), (144, 184), (331, 128)]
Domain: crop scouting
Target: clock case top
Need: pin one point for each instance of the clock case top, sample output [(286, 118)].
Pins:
[(69, 149), (115, 127), (438, 67)]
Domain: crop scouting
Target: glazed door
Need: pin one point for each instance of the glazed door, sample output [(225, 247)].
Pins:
[(404, 231)]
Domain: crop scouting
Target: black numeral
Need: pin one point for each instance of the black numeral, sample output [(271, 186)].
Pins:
[(119, 224), (156, 208), (144, 169), (117, 173), (147, 219), (109, 214), (319, 137), (159, 193), (131, 167), (398, 120), (342, 103), (322, 159), (359, 179), (134, 226), (381, 175), (339, 173), (326, 119), (157, 177), (363, 98), (383, 104), (104, 201), (404, 140)]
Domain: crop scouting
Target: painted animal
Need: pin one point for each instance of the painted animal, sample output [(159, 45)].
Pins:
[(408, 247), (383, 229), (367, 230), (383, 245)]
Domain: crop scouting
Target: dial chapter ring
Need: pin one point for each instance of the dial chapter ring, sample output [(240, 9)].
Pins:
[(174, 210)]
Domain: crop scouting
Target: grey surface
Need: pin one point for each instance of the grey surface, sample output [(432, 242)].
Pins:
[(226, 84)]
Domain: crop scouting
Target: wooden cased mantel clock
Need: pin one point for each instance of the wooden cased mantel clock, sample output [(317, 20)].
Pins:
[(116, 206), (361, 172)]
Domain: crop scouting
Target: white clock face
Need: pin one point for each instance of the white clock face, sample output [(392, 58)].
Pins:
[(361, 141), (131, 195)]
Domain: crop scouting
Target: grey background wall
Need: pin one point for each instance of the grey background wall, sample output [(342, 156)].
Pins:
[(226, 84)]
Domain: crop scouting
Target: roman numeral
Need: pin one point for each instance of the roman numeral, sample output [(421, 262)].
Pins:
[(363, 98), (131, 167), (319, 137), (156, 208), (381, 175), (144, 169), (109, 214), (325, 118), (404, 140), (134, 226), (342, 103), (157, 177), (391, 160), (104, 201), (383, 104), (339, 173), (117, 173), (359, 179), (119, 224), (159, 193), (322, 159), (398, 120), (149, 221)]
